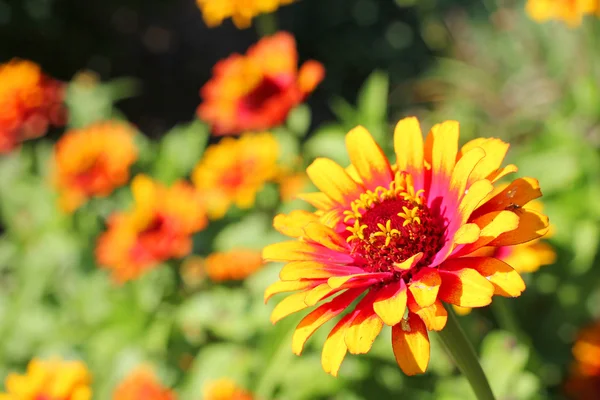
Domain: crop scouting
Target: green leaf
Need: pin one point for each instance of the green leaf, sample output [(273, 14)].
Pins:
[(179, 151), (328, 141), (299, 119), (373, 98)]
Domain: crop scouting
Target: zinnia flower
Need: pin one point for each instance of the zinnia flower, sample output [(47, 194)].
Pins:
[(30, 101), (93, 161), (53, 379), (140, 384), (584, 380), (158, 228), (400, 234), (570, 11), (235, 264), (240, 11), (234, 170), (256, 91), (225, 389)]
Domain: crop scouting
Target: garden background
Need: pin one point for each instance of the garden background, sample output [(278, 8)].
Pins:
[(486, 64)]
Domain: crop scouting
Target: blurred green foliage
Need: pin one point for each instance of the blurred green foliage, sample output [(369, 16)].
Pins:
[(503, 75)]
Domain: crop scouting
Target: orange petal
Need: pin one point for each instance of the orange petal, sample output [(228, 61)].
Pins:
[(424, 286), (293, 224), (294, 250), (367, 157), (434, 316), (390, 303), (319, 316), (529, 257), (319, 293), (334, 349), (495, 151), (464, 287), (520, 192), (532, 225), (333, 180), (408, 145), (310, 74), (364, 328), (410, 343), (291, 304), (462, 170), (507, 282)]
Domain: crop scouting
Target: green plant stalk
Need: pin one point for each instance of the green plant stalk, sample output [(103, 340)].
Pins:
[(462, 352)]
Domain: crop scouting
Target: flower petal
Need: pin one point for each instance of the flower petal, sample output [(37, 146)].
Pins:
[(334, 349), (291, 304), (443, 156), (520, 192), (410, 343), (507, 282), (321, 315), (464, 168), (286, 286), (492, 225), (326, 236), (468, 233), (318, 200), (532, 225), (293, 224), (294, 250), (333, 180), (390, 302), (462, 286), (424, 286), (296, 270), (367, 157), (408, 145), (434, 317), (364, 328), (495, 151)]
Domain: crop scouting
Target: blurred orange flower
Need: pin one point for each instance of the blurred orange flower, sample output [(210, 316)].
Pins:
[(235, 264), (224, 389), (93, 161), (256, 91), (583, 382), (401, 233), (291, 185), (234, 170), (570, 11), (140, 384), (158, 228), (53, 379), (30, 101), (240, 11)]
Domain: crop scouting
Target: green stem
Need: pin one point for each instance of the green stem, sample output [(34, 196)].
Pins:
[(266, 24), (463, 353), (507, 321)]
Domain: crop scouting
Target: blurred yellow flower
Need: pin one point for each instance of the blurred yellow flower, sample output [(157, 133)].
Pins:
[(53, 379), (235, 264), (583, 382), (569, 11), (159, 227), (142, 384), (224, 389), (92, 162), (401, 234), (240, 11), (30, 101), (234, 170), (256, 91)]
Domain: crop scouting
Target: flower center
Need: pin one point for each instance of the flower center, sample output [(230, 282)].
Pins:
[(256, 98), (388, 226)]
